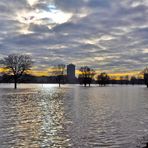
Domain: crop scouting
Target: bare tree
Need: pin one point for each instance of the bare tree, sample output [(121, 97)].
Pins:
[(17, 65), (145, 72), (103, 79), (86, 75), (146, 79), (59, 73)]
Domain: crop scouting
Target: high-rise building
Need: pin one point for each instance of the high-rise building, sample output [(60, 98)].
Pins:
[(71, 73)]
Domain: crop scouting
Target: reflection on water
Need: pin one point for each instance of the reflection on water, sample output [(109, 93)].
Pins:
[(73, 116), (34, 119)]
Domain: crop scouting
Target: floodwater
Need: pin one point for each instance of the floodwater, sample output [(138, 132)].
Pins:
[(45, 116)]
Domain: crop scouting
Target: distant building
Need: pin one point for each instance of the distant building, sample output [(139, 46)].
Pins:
[(71, 73)]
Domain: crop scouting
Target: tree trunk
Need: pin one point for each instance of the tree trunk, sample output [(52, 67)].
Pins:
[(15, 83), (59, 80)]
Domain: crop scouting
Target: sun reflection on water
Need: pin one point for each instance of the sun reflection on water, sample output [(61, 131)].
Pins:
[(72, 116), (39, 120)]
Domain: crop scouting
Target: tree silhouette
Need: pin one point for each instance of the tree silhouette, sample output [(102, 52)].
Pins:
[(59, 72), (126, 79), (133, 80), (16, 65), (103, 79), (146, 79), (86, 75)]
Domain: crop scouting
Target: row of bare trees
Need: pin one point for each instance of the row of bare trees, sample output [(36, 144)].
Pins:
[(86, 77), (16, 65)]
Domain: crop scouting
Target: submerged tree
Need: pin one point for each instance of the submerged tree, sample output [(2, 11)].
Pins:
[(146, 76), (16, 65), (86, 75), (133, 80), (146, 79), (59, 72), (103, 79)]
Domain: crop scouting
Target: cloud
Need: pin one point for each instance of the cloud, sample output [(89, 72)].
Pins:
[(104, 34)]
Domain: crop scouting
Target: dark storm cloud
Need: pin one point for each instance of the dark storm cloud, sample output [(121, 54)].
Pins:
[(106, 34)]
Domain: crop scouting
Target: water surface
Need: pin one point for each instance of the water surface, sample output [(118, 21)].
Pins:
[(38, 116)]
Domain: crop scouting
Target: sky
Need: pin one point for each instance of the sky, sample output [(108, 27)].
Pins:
[(107, 35)]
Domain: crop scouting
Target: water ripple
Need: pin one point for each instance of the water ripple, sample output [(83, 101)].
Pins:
[(73, 117)]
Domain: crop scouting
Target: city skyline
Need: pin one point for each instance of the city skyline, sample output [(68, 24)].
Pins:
[(106, 35)]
